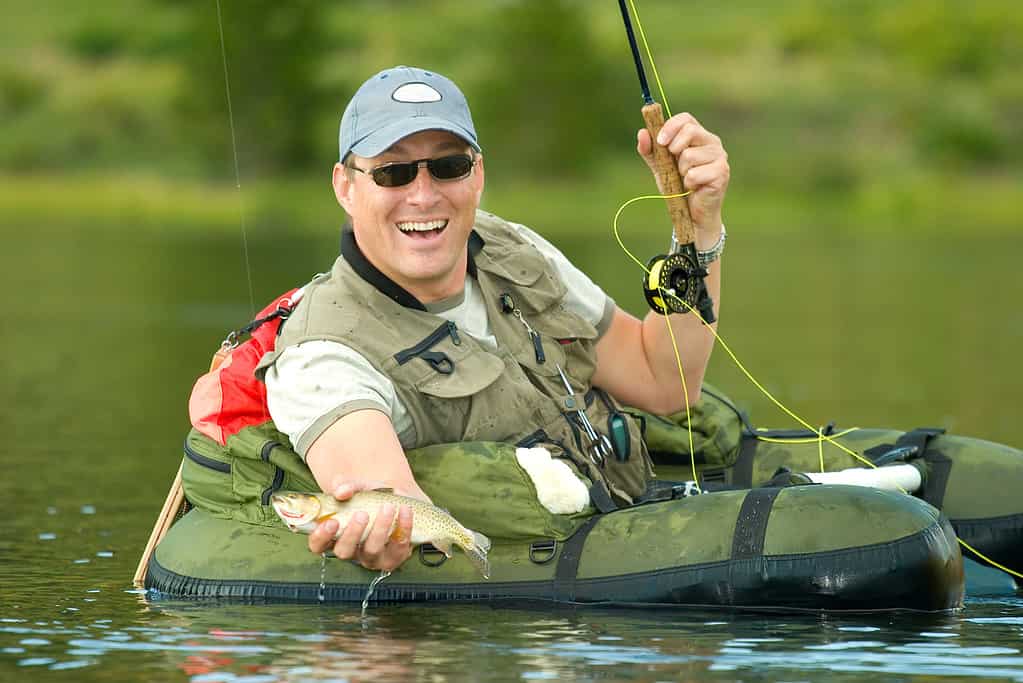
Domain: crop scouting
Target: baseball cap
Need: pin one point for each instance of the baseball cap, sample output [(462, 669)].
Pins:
[(398, 102)]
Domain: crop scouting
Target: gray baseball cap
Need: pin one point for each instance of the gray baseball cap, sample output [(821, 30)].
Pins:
[(398, 102)]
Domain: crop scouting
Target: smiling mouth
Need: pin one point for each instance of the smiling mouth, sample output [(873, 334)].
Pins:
[(422, 229)]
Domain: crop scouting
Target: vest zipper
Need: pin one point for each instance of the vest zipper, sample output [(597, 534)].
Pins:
[(208, 463), (438, 360)]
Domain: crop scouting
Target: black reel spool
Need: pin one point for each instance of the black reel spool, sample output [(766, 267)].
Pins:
[(674, 284)]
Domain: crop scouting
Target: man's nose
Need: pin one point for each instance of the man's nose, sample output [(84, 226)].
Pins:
[(422, 189)]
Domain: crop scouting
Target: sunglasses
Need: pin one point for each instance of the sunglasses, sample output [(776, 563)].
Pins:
[(454, 167)]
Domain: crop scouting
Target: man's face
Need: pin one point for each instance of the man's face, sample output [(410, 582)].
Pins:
[(389, 221)]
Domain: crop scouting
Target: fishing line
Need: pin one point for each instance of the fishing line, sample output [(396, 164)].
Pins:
[(650, 58), (821, 437), (731, 354), (237, 173)]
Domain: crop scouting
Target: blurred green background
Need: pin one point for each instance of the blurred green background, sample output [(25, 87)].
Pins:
[(874, 210)]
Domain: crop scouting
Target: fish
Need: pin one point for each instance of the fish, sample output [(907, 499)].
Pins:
[(301, 512)]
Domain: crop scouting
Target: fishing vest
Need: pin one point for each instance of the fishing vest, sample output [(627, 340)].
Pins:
[(456, 389)]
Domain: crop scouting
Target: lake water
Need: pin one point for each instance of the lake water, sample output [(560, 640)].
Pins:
[(105, 330)]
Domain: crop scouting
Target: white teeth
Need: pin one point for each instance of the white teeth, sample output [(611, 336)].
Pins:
[(410, 226)]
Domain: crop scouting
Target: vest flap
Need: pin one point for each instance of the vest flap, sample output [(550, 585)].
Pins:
[(518, 264), (473, 373)]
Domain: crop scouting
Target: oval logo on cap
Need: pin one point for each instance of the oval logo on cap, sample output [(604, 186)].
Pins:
[(416, 92)]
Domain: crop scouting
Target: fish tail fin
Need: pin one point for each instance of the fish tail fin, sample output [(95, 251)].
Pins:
[(477, 551), (443, 545)]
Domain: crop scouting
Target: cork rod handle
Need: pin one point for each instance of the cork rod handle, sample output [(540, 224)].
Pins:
[(668, 179)]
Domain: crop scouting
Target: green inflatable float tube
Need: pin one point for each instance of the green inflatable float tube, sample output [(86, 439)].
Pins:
[(975, 483), (797, 547)]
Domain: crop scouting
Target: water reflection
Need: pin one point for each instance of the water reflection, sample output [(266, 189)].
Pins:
[(215, 642)]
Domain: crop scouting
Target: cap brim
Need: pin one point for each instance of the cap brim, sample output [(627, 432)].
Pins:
[(378, 141)]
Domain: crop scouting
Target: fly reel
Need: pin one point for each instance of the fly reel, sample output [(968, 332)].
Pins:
[(674, 284)]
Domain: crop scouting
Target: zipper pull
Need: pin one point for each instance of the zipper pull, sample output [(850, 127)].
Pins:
[(453, 331)]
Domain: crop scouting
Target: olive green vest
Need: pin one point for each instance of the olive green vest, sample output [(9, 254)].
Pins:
[(454, 388)]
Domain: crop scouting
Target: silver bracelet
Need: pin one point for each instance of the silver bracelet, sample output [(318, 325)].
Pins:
[(704, 257)]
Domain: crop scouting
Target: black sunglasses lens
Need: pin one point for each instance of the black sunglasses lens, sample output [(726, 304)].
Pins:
[(446, 168), (452, 167), (395, 175)]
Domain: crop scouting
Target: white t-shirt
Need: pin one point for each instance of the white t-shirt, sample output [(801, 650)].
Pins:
[(315, 383)]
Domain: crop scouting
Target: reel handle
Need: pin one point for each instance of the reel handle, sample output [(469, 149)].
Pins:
[(668, 179)]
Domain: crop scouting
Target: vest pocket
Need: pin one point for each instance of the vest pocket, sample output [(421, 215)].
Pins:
[(470, 375)]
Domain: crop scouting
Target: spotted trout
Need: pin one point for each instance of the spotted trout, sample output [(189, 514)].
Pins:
[(302, 512)]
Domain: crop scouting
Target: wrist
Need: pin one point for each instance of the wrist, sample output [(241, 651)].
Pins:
[(708, 247), (708, 255), (708, 234)]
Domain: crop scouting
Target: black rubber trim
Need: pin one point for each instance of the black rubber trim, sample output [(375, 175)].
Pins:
[(367, 271), (923, 579), (994, 537), (209, 463), (568, 561), (751, 525)]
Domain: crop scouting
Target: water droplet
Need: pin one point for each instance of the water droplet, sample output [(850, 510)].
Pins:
[(47, 536), (51, 510), (105, 553), (83, 560), (88, 509)]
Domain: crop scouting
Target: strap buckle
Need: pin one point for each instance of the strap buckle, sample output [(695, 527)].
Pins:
[(542, 552), (431, 556)]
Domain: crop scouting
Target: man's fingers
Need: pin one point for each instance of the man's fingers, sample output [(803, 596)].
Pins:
[(347, 545), (323, 536), (673, 126), (403, 530), (378, 536), (345, 490), (643, 144), (692, 157), (713, 175)]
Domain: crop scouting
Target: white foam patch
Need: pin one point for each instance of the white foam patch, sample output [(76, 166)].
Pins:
[(557, 487)]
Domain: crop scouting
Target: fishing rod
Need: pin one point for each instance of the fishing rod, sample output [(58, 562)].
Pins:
[(674, 281)]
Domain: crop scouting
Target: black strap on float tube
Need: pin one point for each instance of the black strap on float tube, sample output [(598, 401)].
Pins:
[(751, 524), (567, 571), (914, 444)]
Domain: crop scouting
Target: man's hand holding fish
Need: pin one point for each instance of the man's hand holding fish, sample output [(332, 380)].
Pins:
[(382, 549)]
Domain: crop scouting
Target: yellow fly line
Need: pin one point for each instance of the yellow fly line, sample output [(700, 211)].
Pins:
[(821, 436)]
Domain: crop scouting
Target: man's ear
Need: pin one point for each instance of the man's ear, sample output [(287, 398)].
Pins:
[(480, 177), (343, 186)]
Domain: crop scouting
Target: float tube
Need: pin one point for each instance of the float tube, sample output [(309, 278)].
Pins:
[(975, 483), (798, 547)]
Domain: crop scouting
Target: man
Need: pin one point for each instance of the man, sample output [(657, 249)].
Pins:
[(442, 323)]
